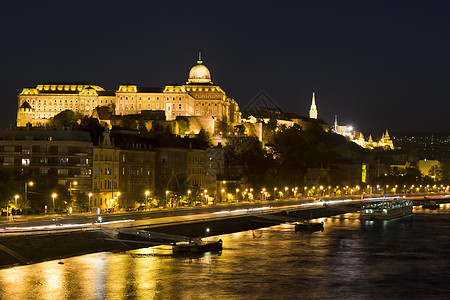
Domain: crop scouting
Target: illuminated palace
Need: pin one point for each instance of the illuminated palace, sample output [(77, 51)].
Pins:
[(198, 97)]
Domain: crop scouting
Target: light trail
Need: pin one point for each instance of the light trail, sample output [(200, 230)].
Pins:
[(62, 226), (237, 212)]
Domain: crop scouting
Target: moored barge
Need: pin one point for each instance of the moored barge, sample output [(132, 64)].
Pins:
[(386, 210)]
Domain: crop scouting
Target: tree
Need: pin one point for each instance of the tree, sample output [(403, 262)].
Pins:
[(138, 194), (222, 127), (66, 118), (129, 122), (239, 129), (9, 187), (183, 125), (203, 137), (157, 127), (81, 201), (436, 173)]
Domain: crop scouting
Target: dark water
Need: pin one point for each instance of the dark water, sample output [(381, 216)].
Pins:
[(406, 258)]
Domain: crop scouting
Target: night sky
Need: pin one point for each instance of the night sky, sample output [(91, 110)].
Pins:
[(378, 65)]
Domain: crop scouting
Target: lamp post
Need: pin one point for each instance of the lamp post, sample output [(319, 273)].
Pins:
[(189, 196), (167, 195), (221, 195), (118, 201), (274, 193), (53, 197), (147, 193), (237, 194), (15, 201), (89, 204), (71, 188), (27, 183)]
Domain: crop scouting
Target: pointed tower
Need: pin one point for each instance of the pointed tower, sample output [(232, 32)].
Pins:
[(313, 110), (24, 115), (335, 124)]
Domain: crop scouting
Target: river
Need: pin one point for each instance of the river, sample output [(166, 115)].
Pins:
[(405, 258)]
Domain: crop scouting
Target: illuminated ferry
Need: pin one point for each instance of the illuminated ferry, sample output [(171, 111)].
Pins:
[(386, 210)]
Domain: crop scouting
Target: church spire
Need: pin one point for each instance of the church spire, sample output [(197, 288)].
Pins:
[(313, 110)]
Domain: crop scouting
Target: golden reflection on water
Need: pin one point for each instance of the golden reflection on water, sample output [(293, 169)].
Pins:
[(261, 261)]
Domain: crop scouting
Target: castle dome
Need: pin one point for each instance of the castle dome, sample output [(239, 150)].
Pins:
[(199, 73)]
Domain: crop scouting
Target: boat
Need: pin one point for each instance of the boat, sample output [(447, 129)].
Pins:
[(386, 210), (197, 247), (309, 226)]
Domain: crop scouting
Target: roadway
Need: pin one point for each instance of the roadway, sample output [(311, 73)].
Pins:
[(161, 217)]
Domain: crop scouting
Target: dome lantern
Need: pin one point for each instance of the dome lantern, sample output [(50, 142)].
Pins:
[(199, 73)]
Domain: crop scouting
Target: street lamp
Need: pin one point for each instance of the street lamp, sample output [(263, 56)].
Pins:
[(189, 196), (274, 193), (27, 183), (167, 195), (146, 195), (117, 197), (15, 201), (53, 197), (237, 195), (89, 204)]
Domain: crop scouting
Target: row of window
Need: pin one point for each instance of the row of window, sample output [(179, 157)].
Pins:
[(106, 157), (203, 111), (106, 184), (209, 104), (208, 97), (45, 171), (61, 101), (87, 108), (45, 149), (140, 98), (139, 106), (43, 160), (196, 171)]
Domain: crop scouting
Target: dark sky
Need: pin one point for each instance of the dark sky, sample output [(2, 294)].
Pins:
[(376, 64)]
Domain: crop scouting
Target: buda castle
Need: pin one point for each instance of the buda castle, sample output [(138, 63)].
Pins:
[(198, 97)]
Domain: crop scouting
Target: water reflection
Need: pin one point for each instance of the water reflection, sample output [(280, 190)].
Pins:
[(349, 258)]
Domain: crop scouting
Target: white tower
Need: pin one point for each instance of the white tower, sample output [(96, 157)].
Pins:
[(313, 110), (335, 124)]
